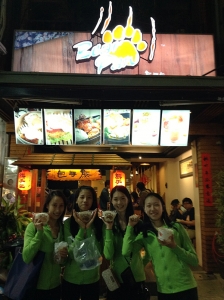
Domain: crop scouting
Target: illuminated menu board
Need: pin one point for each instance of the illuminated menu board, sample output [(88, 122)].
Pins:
[(145, 127), (116, 126), (29, 126), (174, 127), (58, 127), (87, 126)]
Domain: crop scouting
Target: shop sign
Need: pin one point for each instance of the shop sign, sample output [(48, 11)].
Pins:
[(73, 174), (120, 48)]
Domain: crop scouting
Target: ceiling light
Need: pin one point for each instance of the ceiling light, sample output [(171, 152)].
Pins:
[(144, 164), (140, 157)]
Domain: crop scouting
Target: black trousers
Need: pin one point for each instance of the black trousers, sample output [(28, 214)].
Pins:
[(191, 294), (53, 294), (72, 291), (127, 292)]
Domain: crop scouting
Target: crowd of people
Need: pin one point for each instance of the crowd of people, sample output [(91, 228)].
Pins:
[(120, 240)]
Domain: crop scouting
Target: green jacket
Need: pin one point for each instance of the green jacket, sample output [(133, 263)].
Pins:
[(35, 240), (112, 251), (171, 266), (72, 272)]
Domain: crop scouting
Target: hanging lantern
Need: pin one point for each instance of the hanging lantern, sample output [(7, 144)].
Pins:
[(24, 180), (118, 178)]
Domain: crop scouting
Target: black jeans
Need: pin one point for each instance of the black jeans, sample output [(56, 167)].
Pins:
[(191, 294), (53, 294), (72, 291), (127, 292)]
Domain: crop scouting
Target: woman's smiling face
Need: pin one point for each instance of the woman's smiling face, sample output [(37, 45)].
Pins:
[(85, 200), (119, 201), (55, 207), (153, 208)]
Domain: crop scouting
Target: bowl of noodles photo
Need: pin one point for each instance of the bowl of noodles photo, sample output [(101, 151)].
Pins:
[(29, 128)]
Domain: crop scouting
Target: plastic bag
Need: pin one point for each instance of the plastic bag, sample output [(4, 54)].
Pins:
[(57, 247), (86, 254)]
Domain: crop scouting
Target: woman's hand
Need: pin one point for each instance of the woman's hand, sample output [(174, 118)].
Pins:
[(79, 221), (133, 220), (38, 224), (170, 243), (92, 219), (63, 252)]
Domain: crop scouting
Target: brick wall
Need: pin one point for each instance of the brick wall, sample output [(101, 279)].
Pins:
[(208, 214)]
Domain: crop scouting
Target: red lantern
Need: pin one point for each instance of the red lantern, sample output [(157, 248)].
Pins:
[(118, 178), (24, 180)]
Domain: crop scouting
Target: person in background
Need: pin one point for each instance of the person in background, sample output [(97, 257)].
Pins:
[(78, 284), (105, 195), (43, 237), (176, 211), (142, 192), (188, 217), (171, 258), (134, 199), (113, 238)]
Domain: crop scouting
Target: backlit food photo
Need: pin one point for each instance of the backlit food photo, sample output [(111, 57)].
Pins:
[(58, 127), (145, 127), (117, 126), (29, 127), (87, 126), (174, 127)]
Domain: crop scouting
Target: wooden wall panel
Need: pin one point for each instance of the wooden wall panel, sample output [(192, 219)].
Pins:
[(175, 54), (18, 150)]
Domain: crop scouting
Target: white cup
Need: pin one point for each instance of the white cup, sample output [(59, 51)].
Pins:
[(109, 215), (164, 234)]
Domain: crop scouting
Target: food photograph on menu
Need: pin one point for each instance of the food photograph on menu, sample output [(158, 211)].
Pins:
[(116, 126), (87, 124), (58, 126), (29, 126), (145, 127), (174, 127)]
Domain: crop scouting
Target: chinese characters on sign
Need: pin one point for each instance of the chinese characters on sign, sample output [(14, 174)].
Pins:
[(118, 178), (207, 180), (70, 175)]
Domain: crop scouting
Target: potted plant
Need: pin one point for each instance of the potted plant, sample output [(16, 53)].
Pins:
[(13, 221), (218, 241)]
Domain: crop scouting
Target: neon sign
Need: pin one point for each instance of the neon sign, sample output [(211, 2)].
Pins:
[(120, 48)]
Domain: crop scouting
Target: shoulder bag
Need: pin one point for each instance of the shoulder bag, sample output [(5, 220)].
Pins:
[(23, 277)]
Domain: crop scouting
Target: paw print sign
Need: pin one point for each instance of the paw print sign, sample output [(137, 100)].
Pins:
[(120, 48)]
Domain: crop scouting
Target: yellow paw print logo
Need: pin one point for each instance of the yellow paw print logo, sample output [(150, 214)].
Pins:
[(122, 45)]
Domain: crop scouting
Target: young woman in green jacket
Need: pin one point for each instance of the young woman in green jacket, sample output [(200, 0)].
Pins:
[(171, 258), (43, 237), (82, 284), (113, 240)]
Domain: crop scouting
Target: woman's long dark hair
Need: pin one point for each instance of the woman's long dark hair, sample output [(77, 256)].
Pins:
[(50, 196), (74, 227), (129, 210), (147, 224)]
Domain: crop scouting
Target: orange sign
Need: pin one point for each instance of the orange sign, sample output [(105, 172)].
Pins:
[(24, 180), (118, 178), (74, 174)]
